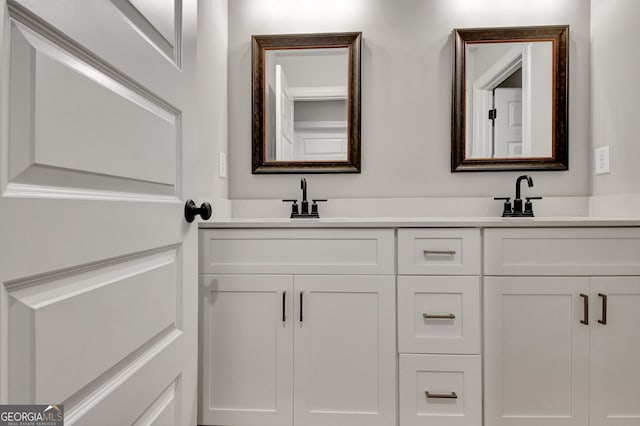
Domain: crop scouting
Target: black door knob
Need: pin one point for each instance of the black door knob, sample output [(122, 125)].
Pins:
[(191, 211)]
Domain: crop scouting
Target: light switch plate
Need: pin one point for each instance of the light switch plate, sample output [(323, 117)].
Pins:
[(602, 160), (223, 165)]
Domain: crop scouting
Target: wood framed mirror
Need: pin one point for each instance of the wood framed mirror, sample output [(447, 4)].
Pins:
[(510, 99), (306, 103)]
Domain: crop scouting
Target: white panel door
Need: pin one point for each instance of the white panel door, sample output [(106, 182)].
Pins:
[(98, 284), (536, 354), (615, 351), (345, 351), (508, 123), (247, 352)]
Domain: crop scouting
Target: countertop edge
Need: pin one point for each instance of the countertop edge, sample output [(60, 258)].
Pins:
[(462, 222)]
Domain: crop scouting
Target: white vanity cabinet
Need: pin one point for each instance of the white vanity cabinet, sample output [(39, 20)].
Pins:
[(440, 380), (538, 326), (298, 327), (615, 351), (246, 349), (550, 355)]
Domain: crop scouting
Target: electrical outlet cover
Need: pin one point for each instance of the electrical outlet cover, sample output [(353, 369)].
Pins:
[(602, 160), (223, 165)]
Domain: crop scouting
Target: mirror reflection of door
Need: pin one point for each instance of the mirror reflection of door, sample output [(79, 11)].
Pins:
[(307, 104), (507, 127), (284, 117), (507, 117)]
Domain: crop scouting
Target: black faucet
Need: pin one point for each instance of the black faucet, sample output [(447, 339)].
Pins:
[(517, 210), (517, 203), (304, 204)]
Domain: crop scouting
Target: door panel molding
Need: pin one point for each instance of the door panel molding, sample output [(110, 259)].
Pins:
[(144, 374), (164, 36), (52, 355), (163, 409), (62, 80)]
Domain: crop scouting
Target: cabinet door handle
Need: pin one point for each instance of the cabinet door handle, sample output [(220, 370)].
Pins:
[(603, 321), (284, 306), (585, 299), (445, 316), (439, 252), (451, 395), (301, 302)]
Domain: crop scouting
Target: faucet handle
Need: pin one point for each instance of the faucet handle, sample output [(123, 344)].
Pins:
[(294, 206), (506, 210), (528, 205), (314, 207)]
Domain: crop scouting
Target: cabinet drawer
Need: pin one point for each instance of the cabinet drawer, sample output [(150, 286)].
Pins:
[(297, 251), (439, 315), (439, 251), (454, 386), (572, 251)]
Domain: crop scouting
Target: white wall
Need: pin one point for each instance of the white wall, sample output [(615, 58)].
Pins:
[(406, 94), (212, 103), (615, 89)]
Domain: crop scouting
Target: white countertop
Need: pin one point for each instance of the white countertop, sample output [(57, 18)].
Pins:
[(422, 222)]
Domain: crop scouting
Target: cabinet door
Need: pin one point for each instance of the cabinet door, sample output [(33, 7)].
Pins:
[(345, 351), (615, 352), (247, 350), (536, 351)]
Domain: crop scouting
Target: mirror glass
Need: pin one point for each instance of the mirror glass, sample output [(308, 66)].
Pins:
[(306, 110), (510, 103), (306, 106)]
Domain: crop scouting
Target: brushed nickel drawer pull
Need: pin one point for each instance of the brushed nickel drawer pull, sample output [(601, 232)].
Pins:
[(451, 395), (446, 316), (439, 252)]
